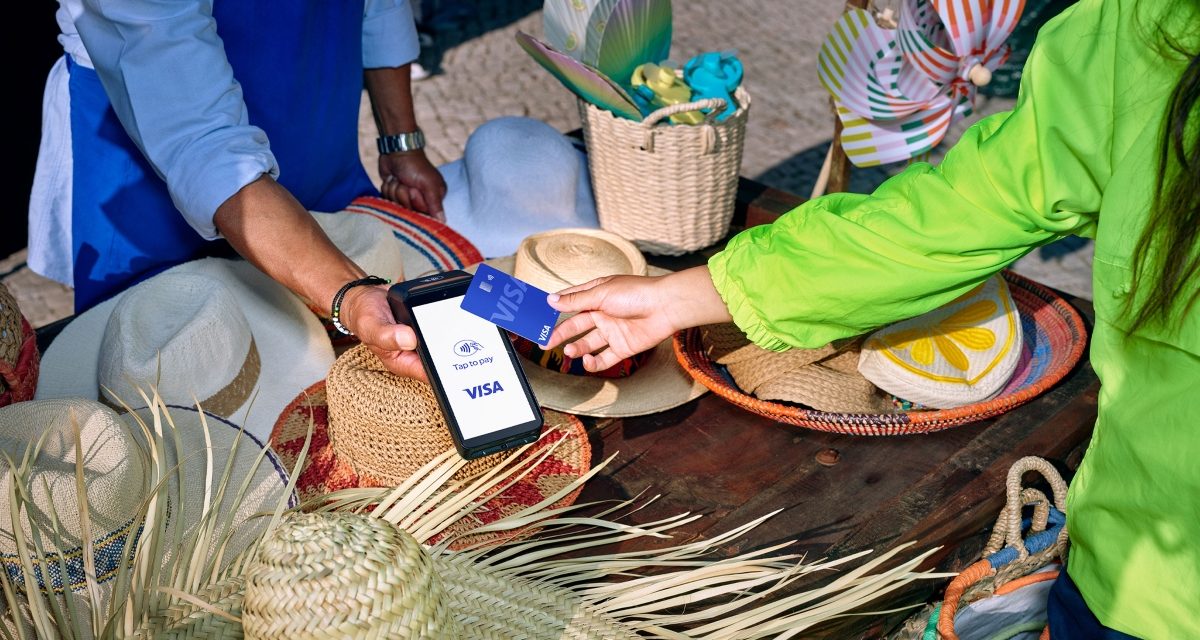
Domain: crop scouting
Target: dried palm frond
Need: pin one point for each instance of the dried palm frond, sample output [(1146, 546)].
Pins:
[(177, 553), (181, 581)]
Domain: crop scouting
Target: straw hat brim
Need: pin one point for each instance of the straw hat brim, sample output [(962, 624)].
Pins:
[(657, 385), (294, 349), (1054, 338), (325, 472)]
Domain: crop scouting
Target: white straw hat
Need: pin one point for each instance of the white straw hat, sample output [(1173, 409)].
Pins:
[(555, 260), (957, 354), (220, 332), (518, 176), (119, 475)]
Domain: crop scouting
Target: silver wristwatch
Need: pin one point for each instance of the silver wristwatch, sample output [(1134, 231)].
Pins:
[(401, 142)]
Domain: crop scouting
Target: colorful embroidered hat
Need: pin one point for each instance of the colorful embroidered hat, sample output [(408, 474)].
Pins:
[(120, 470), (653, 382), (426, 245), (19, 357), (372, 428), (215, 331), (957, 354), (517, 176)]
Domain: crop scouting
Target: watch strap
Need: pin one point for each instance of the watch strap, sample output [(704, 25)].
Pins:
[(399, 142)]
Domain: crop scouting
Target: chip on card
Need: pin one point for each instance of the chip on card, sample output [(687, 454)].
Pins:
[(510, 304)]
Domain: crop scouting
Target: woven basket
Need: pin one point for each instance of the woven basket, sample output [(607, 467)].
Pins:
[(668, 188), (1054, 338)]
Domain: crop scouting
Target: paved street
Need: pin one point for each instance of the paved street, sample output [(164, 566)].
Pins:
[(480, 73)]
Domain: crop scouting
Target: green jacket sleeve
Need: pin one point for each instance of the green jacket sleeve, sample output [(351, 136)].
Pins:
[(845, 264)]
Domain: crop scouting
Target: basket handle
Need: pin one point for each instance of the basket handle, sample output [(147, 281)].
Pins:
[(1008, 524), (716, 106)]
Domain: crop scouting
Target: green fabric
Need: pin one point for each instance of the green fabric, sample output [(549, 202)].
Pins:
[(1077, 155)]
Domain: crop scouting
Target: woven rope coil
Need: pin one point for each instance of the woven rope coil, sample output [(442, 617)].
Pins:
[(384, 426), (670, 189)]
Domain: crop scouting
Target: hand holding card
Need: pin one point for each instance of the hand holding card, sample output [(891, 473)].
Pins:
[(511, 304)]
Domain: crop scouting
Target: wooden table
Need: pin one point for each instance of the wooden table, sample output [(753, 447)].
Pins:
[(945, 488)]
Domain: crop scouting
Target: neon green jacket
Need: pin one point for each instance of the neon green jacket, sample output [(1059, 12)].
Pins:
[(1077, 155)]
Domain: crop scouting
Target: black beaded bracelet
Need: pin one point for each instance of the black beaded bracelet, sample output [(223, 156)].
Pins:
[(337, 298)]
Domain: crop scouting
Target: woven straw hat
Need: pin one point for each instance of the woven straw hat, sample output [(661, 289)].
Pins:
[(383, 425), (826, 379), (391, 426), (341, 575), (19, 357), (116, 470), (215, 331), (518, 176), (960, 353), (555, 260)]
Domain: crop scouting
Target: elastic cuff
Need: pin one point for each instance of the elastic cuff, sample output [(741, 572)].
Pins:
[(745, 316)]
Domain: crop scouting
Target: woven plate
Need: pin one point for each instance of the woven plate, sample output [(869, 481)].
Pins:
[(324, 472), (1054, 340)]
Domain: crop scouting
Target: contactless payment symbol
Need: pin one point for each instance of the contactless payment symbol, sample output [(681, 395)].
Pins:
[(466, 348), (486, 285)]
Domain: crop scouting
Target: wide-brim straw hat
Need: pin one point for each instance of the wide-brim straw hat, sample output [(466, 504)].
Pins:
[(120, 471), (1053, 339), (19, 356), (372, 428), (555, 260), (219, 332), (517, 176)]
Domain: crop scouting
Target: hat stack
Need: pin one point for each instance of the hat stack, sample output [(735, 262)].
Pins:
[(649, 383), (19, 357), (826, 379), (218, 332)]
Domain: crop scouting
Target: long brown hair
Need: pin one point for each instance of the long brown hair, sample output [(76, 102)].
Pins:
[(1166, 259)]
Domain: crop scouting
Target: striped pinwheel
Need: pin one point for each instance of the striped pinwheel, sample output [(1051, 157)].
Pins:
[(898, 89)]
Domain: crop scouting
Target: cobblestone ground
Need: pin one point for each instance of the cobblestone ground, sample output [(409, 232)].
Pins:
[(480, 73)]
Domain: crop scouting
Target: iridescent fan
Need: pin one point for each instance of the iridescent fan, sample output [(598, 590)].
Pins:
[(897, 90), (565, 23), (633, 33)]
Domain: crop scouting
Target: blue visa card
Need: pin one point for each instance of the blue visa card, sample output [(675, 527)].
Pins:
[(511, 304)]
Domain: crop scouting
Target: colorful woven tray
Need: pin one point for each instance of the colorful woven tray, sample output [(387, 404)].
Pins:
[(1054, 340)]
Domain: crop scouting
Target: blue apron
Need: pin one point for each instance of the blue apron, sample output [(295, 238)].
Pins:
[(300, 67)]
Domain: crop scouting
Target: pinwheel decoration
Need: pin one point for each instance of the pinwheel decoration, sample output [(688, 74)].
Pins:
[(898, 88)]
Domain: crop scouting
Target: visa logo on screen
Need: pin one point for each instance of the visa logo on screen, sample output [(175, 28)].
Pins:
[(485, 389)]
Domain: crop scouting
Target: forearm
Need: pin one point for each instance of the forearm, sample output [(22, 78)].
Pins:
[(390, 90), (271, 229), (692, 300)]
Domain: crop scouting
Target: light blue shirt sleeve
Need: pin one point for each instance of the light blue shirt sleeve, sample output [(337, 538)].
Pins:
[(165, 71), (389, 37)]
